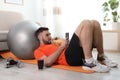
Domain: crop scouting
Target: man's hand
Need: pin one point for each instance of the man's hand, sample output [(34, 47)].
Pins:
[(64, 43)]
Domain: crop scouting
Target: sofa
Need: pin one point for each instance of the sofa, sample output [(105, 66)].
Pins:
[(7, 20)]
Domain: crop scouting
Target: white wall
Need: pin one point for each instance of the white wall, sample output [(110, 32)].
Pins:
[(111, 40), (27, 9), (73, 12)]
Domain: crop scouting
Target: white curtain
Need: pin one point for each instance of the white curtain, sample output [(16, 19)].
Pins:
[(63, 16)]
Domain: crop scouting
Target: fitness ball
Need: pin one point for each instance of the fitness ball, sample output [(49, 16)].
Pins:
[(22, 40)]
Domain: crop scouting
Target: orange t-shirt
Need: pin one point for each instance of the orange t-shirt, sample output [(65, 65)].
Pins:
[(48, 50)]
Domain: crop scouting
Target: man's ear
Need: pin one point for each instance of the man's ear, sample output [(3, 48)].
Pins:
[(39, 36)]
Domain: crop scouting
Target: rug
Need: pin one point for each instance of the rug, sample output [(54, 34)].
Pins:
[(8, 54)]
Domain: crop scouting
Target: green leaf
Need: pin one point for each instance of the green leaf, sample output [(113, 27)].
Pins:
[(114, 13)]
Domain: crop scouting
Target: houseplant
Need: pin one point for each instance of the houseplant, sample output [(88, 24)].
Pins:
[(110, 9)]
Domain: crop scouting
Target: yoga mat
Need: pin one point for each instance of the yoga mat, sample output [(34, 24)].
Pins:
[(73, 68), (8, 54)]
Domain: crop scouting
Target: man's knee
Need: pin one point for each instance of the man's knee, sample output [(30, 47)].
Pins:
[(95, 23), (85, 23)]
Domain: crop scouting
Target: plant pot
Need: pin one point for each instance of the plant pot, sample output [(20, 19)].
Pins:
[(116, 25)]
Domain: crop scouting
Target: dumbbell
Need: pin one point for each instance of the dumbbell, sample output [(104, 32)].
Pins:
[(11, 62)]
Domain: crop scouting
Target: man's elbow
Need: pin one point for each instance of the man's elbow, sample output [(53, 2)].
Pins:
[(48, 63)]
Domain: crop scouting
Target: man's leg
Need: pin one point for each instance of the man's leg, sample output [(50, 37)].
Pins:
[(98, 42), (85, 34), (98, 37)]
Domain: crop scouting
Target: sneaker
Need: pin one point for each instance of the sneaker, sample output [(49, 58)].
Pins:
[(104, 60), (97, 67)]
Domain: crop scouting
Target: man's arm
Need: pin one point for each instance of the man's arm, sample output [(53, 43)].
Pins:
[(48, 61)]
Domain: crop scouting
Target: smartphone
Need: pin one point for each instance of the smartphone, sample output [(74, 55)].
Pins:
[(67, 35)]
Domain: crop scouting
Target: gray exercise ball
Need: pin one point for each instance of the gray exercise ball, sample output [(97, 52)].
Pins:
[(22, 41)]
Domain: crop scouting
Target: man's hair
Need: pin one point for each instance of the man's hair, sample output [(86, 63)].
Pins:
[(39, 30)]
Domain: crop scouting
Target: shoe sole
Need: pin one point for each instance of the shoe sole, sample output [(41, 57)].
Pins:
[(88, 68)]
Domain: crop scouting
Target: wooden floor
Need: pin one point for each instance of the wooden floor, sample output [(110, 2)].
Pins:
[(31, 72)]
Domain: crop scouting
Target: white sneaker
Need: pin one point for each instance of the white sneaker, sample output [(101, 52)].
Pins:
[(108, 62), (97, 67)]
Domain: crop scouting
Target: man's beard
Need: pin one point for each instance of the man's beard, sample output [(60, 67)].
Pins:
[(47, 42)]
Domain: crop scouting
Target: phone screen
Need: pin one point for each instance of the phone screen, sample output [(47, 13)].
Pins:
[(67, 35)]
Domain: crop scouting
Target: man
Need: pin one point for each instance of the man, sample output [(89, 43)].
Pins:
[(78, 52)]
